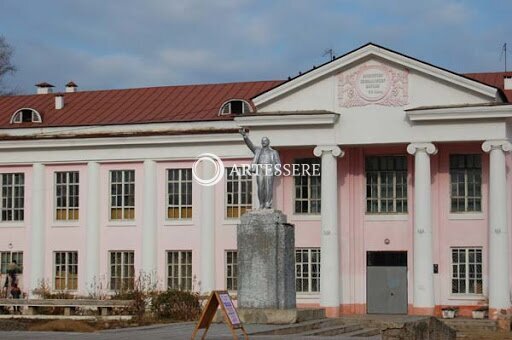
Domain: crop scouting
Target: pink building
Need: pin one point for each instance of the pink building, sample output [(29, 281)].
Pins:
[(410, 213)]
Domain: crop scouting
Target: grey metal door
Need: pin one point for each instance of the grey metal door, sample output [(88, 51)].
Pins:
[(386, 283)]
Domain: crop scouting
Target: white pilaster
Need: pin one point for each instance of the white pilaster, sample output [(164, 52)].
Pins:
[(149, 224), (37, 244), (499, 293), (330, 287), (207, 237), (92, 234), (423, 298)]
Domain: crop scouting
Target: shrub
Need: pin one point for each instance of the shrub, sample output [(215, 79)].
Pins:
[(44, 290), (144, 287), (176, 305)]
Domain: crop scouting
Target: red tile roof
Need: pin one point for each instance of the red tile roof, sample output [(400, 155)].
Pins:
[(132, 106), (155, 104), (495, 79)]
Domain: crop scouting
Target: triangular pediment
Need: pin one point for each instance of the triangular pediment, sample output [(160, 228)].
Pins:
[(373, 74)]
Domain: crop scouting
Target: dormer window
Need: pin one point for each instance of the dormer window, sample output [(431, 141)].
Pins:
[(26, 115), (235, 107)]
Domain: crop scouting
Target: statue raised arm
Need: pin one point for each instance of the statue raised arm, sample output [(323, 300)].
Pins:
[(247, 141)]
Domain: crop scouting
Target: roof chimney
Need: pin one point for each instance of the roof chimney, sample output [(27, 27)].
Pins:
[(44, 88), (59, 101), (71, 87), (507, 83)]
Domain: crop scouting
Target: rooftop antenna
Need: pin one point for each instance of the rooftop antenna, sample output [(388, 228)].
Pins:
[(329, 52), (504, 54)]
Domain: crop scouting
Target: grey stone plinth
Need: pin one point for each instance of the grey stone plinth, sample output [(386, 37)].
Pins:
[(266, 260)]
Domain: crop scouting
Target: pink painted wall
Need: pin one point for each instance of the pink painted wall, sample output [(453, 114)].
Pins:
[(17, 233), (64, 235), (359, 232)]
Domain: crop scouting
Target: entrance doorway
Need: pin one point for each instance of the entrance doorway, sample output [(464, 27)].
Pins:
[(386, 282)]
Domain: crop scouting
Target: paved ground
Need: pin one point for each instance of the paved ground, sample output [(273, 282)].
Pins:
[(171, 331)]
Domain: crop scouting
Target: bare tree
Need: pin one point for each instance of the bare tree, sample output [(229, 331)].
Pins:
[(6, 66)]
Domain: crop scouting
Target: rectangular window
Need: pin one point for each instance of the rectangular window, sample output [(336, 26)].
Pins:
[(307, 270), (122, 270), (179, 193), (467, 271), (386, 184), (66, 195), (179, 269), (6, 257), (231, 270), (13, 197), (238, 192), (122, 194), (307, 190), (66, 270), (466, 183)]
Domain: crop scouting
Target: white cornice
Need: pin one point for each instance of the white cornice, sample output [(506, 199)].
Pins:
[(372, 50), (286, 119), (117, 141), (460, 113)]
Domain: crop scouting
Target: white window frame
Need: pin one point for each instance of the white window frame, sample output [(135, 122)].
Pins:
[(225, 108), (310, 199), (65, 269), (233, 268), (379, 199), (178, 271), (17, 117), (467, 264), (13, 199), (67, 197), (126, 273), (9, 254), (123, 206), (310, 263), (239, 206), (466, 196), (182, 196)]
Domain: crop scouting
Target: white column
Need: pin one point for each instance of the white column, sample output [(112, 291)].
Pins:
[(207, 230), (330, 287), (37, 244), (149, 220), (499, 293), (423, 298), (92, 234)]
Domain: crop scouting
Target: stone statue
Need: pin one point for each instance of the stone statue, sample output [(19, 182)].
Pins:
[(266, 161)]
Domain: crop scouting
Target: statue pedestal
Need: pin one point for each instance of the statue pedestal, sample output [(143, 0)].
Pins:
[(266, 261)]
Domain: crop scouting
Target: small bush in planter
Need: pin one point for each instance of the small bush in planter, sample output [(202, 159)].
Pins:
[(176, 305), (480, 313), (449, 312)]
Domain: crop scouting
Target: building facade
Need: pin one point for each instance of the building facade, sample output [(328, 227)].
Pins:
[(410, 212)]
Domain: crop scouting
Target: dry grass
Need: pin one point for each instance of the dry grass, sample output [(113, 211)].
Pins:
[(62, 326)]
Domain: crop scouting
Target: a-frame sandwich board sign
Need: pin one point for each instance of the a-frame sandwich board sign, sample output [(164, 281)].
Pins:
[(219, 298)]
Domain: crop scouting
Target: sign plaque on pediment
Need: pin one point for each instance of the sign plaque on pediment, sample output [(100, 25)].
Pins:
[(373, 83)]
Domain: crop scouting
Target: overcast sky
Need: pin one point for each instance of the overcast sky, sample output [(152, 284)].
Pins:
[(126, 43)]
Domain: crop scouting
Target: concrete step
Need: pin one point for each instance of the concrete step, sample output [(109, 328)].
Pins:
[(467, 325), (330, 331), (485, 335), (302, 327), (363, 333)]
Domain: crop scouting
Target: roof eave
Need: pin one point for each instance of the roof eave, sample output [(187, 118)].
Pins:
[(460, 113)]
